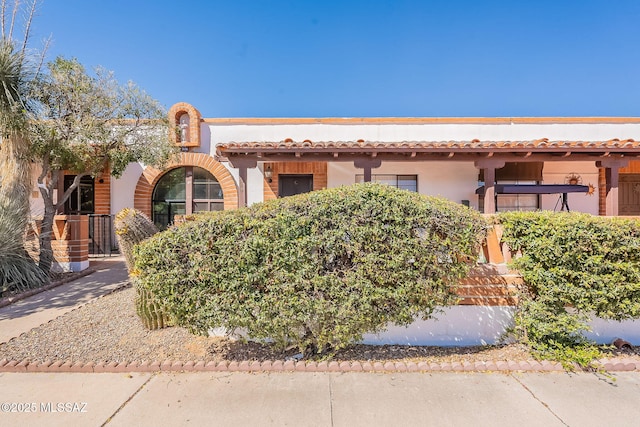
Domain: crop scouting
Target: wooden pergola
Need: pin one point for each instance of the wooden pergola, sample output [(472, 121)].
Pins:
[(487, 156)]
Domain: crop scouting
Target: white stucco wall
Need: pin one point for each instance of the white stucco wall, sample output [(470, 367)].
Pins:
[(480, 325), (123, 189), (463, 325), (421, 132), (459, 325), (455, 181)]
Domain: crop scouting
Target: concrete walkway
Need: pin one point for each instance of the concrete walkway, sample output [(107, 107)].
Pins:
[(26, 314), (320, 399)]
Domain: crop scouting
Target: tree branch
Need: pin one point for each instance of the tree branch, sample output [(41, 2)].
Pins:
[(27, 28), (72, 187), (3, 8), (16, 6)]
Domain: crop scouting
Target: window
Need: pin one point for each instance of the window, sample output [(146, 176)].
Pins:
[(516, 173), (403, 182), (517, 202), (81, 200), (183, 191)]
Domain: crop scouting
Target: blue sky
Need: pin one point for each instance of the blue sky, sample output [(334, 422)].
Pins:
[(277, 58)]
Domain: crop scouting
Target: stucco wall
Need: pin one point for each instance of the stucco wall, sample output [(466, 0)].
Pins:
[(227, 132), (123, 188), (455, 181), (556, 172), (480, 325)]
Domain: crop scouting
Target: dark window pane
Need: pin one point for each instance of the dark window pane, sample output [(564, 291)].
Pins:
[(403, 182), (171, 186), (81, 200)]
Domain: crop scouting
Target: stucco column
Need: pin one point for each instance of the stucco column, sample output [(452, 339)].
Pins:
[(489, 167), (243, 163), (367, 164), (612, 177)]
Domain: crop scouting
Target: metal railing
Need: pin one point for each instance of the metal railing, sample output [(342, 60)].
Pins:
[(102, 239)]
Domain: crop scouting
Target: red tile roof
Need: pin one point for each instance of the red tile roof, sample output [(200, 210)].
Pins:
[(627, 145)]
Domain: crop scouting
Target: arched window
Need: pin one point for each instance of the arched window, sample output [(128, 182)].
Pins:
[(183, 191)]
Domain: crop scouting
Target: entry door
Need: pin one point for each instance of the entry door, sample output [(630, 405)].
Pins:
[(288, 185), (629, 194)]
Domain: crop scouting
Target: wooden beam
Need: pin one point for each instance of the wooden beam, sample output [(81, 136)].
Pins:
[(242, 187), (489, 190)]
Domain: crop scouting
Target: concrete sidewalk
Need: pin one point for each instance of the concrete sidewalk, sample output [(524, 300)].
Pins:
[(320, 399), (26, 314)]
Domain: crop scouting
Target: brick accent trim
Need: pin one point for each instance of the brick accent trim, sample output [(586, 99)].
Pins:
[(102, 193), (176, 111), (151, 175), (632, 167), (26, 366), (602, 192), (317, 169)]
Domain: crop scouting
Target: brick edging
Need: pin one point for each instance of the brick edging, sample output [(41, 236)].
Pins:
[(610, 365), (15, 298)]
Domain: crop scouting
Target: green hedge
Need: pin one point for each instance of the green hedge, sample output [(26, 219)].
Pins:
[(317, 270), (576, 265)]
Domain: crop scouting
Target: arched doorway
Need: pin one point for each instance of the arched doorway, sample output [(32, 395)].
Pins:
[(182, 191)]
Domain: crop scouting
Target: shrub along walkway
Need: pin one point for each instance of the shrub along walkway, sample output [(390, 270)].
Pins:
[(111, 274)]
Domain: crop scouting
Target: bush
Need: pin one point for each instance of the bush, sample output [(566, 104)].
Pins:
[(317, 270), (575, 265)]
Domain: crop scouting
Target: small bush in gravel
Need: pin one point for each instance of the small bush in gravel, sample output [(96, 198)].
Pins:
[(576, 265), (315, 271)]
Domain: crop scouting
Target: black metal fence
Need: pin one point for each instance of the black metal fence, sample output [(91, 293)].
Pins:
[(102, 239)]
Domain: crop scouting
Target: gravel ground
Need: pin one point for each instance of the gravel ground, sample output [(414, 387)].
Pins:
[(108, 330)]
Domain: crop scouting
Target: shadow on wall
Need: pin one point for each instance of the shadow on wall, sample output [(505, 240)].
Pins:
[(455, 326), (485, 325), (605, 331)]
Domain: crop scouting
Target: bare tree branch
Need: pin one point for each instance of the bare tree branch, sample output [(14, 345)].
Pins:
[(47, 42), (72, 187), (3, 8), (27, 28), (16, 6)]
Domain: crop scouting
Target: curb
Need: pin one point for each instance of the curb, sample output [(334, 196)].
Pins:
[(15, 298), (609, 365)]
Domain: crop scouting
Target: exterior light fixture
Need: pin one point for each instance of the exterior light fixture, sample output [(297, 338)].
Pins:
[(268, 173)]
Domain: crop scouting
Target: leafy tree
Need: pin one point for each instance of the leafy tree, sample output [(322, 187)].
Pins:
[(18, 71), (90, 124)]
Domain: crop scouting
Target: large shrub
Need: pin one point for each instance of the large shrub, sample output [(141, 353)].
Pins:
[(315, 270), (576, 265)]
